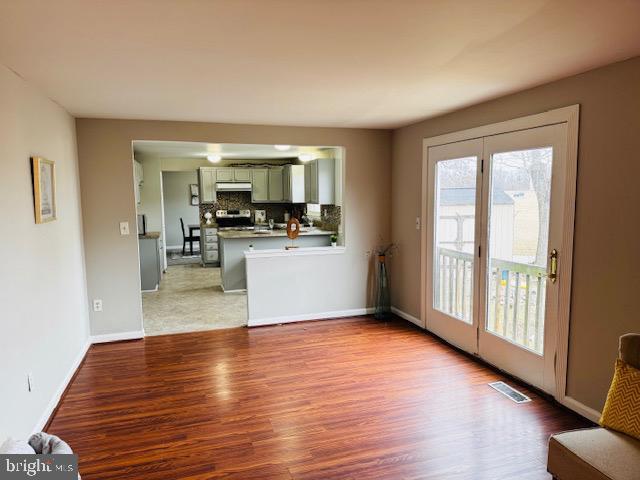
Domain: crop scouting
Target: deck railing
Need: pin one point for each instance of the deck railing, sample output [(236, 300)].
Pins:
[(516, 293)]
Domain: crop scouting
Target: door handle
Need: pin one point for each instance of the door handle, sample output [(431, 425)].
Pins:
[(553, 266)]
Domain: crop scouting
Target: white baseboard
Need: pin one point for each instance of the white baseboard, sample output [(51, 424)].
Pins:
[(408, 317), (117, 337), (581, 409), (258, 322), (238, 290), (53, 403)]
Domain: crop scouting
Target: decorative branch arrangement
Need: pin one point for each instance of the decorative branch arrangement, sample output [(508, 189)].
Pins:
[(386, 249)]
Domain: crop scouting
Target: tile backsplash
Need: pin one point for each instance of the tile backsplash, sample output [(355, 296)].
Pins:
[(331, 217), (242, 201), (331, 214)]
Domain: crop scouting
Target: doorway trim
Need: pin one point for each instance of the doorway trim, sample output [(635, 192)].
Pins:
[(570, 116)]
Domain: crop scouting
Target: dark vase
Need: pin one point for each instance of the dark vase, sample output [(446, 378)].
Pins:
[(383, 303)]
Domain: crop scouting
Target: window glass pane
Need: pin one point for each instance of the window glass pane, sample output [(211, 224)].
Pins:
[(455, 237), (519, 201)]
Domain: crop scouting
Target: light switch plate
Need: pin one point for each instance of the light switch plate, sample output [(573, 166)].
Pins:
[(124, 228), (417, 223)]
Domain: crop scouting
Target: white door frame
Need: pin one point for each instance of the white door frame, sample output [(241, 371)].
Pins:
[(570, 116)]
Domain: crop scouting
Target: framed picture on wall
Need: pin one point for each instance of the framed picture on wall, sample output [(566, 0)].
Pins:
[(44, 189), (195, 194)]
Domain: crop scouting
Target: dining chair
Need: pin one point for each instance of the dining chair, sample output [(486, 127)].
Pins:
[(188, 238)]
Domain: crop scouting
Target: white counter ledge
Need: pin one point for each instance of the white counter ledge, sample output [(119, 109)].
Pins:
[(233, 244), (269, 233), (281, 252), (306, 283)]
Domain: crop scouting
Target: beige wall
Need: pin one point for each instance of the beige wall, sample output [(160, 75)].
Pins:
[(44, 321), (151, 191), (176, 193), (104, 148), (606, 274)]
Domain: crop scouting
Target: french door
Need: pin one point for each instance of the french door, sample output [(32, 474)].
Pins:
[(494, 240)]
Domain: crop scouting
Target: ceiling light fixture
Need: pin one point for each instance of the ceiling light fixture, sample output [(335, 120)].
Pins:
[(214, 157), (306, 157), (282, 148)]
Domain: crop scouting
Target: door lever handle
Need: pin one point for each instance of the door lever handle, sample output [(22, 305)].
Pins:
[(553, 266)]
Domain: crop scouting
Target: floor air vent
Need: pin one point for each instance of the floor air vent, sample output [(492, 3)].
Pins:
[(510, 392)]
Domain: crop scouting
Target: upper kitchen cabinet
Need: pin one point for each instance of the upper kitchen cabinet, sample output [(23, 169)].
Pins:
[(242, 174), (208, 178), (230, 174), (224, 174), (293, 182), (319, 181), (260, 185), (276, 184)]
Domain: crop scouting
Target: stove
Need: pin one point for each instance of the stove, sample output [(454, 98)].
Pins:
[(234, 220)]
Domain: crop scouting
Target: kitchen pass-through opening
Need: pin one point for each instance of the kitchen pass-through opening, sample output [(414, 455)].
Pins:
[(201, 206)]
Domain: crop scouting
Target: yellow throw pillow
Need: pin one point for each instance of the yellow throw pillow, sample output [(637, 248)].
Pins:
[(622, 408)]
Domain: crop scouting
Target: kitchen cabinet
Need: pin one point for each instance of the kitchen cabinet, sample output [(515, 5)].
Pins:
[(209, 248), (242, 174), (150, 266), (260, 185), (289, 183), (224, 174), (276, 187), (208, 177), (319, 181), (293, 181), (230, 174), (310, 183)]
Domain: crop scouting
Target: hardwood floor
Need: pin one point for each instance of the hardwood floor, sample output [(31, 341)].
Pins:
[(339, 399)]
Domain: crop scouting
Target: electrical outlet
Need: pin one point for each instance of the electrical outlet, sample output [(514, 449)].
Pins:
[(30, 382), (124, 228), (97, 305)]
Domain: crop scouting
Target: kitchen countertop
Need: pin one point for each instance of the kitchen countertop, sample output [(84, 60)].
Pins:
[(151, 235), (271, 233)]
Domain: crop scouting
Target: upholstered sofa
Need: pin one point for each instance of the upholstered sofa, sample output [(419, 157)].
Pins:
[(598, 453)]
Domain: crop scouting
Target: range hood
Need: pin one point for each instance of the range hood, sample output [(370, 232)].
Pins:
[(233, 187)]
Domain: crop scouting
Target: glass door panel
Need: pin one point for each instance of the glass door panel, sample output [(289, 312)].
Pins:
[(522, 221), (455, 213), (453, 206), (519, 205)]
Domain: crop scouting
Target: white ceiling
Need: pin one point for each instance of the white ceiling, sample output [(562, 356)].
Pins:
[(228, 151), (354, 63)]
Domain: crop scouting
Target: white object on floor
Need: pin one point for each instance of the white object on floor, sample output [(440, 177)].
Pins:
[(16, 447)]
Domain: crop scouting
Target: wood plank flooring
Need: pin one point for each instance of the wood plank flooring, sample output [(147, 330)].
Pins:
[(339, 399)]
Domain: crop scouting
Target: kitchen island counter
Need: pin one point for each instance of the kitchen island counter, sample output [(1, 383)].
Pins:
[(304, 232), (233, 244)]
